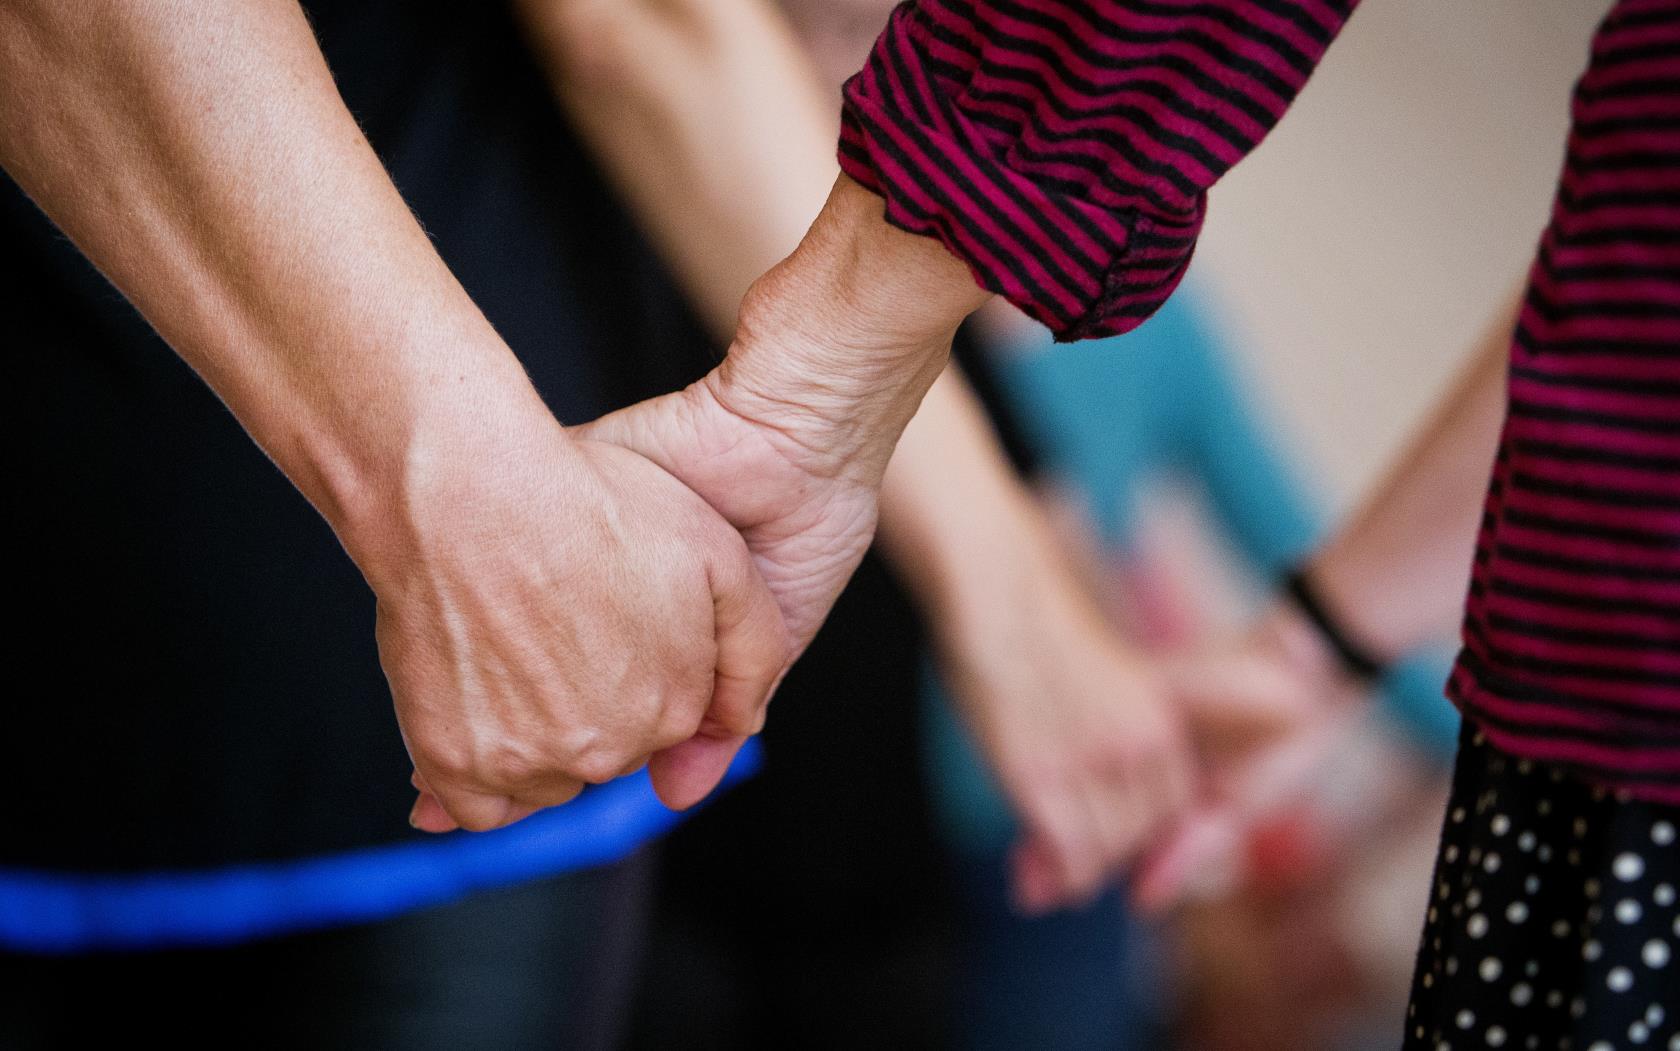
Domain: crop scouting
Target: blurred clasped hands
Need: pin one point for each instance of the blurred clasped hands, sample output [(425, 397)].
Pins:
[(585, 601)]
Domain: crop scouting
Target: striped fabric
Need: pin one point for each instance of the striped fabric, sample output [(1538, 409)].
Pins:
[(1572, 640), (1062, 148)]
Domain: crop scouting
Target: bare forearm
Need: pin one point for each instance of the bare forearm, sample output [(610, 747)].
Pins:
[(710, 122), (1395, 576), (201, 157), (955, 519)]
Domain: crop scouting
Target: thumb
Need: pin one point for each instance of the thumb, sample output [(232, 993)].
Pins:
[(641, 428), (685, 773), (428, 814), (753, 649)]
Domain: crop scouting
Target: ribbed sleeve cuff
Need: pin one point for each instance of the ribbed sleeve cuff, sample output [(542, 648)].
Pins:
[(1063, 148)]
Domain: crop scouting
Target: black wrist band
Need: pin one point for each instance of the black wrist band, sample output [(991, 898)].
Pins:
[(1355, 659)]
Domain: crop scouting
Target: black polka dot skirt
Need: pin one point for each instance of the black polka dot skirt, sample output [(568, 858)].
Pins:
[(1552, 921)]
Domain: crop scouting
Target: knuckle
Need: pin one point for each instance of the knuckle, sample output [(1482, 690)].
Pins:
[(513, 763), (677, 724), (446, 761), (690, 675), (599, 765)]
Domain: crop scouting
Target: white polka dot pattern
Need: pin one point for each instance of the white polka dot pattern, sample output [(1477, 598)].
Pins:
[(1553, 923)]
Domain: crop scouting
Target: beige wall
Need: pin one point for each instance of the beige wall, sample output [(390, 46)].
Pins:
[(1358, 252)]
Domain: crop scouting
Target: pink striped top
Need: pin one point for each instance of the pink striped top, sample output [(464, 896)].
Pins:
[(1063, 149)]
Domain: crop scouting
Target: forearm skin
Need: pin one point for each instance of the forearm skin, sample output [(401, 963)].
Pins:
[(1396, 574), (201, 157)]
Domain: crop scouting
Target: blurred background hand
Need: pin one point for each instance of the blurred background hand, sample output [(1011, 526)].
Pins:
[(1257, 706), (1076, 728)]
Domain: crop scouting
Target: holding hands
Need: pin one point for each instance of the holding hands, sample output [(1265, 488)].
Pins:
[(558, 608), (758, 496), (552, 617), (786, 441)]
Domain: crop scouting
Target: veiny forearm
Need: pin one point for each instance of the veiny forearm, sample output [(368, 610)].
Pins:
[(1397, 573), (200, 155)]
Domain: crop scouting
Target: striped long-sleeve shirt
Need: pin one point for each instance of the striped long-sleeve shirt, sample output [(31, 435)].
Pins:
[(1063, 149)]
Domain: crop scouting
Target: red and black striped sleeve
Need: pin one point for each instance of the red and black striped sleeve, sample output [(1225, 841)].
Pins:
[(1063, 148)]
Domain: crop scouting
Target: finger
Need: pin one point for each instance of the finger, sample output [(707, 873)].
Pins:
[(1165, 784), (1118, 814), (628, 427), (753, 645), (519, 812), (428, 815), (550, 793), (1229, 706), (686, 773), (1033, 880), (474, 810), (1197, 859), (1062, 826), (752, 653), (1178, 780)]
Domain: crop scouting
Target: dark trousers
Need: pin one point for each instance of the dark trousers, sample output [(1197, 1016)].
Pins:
[(549, 964)]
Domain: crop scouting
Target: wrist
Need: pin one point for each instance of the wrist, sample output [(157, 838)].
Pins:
[(893, 287), (1314, 639), (1290, 635), (1355, 592), (394, 482), (838, 343)]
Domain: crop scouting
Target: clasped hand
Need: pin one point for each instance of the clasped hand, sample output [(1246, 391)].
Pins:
[(556, 611), (560, 607)]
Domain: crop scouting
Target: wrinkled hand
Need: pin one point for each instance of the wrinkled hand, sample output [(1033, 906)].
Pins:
[(805, 520), (1256, 707), (1076, 727), (788, 439), (551, 613), (800, 483)]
